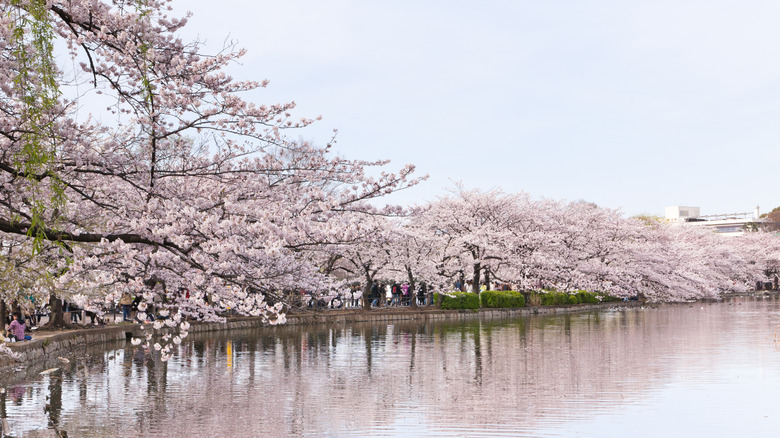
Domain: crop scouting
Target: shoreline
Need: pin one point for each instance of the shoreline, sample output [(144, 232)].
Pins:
[(48, 349)]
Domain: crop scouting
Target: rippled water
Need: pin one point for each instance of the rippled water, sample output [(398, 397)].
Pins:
[(677, 370)]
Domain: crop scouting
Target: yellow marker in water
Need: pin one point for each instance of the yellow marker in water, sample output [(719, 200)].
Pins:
[(229, 353)]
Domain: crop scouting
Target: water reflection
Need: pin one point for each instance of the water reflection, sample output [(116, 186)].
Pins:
[(590, 374)]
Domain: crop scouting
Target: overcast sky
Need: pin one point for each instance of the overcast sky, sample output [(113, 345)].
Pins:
[(634, 105)]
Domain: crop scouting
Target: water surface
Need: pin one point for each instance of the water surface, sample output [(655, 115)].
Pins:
[(676, 370)]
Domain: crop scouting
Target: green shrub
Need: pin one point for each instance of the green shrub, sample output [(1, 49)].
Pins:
[(459, 300), (552, 298), (534, 299), (502, 299), (587, 297)]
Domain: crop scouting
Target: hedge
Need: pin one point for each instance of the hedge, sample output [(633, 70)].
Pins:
[(552, 298), (587, 297), (511, 299), (502, 299), (555, 298), (459, 300)]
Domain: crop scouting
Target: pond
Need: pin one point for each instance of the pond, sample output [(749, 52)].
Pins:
[(703, 369)]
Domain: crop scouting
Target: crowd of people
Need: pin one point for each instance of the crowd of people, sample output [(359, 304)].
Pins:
[(381, 294), (28, 317), (386, 294), (393, 294), (389, 294)]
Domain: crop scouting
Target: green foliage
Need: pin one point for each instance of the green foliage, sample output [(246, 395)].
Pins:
[(604, 298), (552, 298), (534, 299), (35, 82), (459, 300), (512, 299), (502, 299), (587, 297)]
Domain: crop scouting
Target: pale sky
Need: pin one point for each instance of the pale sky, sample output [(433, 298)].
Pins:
[(636, 105)]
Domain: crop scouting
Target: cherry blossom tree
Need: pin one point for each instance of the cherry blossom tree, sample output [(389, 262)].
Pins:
[(191, 187), (577, 245), (25, 276), (368, 255), (197, 194), (759, 254), (475, 230), (414, 255)]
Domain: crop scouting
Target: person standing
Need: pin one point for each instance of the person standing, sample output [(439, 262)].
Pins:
[(126, 301), (395, 293), (421, 294), (375, 294), (356, 293), (75, 313)]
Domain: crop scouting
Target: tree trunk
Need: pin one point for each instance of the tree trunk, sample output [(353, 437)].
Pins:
[(55, 314), (367, 291), (412, 289), (475, 281), (367, 296), (3, 312), (487, 278)]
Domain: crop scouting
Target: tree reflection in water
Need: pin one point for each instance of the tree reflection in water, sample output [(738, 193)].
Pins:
[(529, 375), (54, 407)]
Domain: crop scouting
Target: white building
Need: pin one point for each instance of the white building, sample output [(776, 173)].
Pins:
[(731, 224)]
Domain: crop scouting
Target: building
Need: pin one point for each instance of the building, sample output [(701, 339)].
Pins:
[(731, 224)]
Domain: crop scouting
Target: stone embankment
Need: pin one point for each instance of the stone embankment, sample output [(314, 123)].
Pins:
[(51, 349)]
